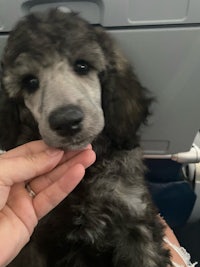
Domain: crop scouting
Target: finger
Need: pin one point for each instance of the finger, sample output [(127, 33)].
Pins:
[(71, 153), (21, 205), (35, 147), (26, 149), (85, 158), (48, 199), (22, 168)]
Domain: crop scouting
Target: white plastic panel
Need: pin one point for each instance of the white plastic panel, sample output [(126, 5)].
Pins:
[(158, 10), (150, 12), (11, 11), (108, 12), (9, 14), (167, 62), (89, 10)]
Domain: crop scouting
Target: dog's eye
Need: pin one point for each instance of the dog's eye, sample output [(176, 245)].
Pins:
[(30, 83), (82, 67)]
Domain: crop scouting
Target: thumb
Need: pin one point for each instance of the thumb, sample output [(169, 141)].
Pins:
[(22, 168)]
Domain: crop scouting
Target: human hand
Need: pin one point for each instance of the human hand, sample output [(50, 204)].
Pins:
[(52, 175)]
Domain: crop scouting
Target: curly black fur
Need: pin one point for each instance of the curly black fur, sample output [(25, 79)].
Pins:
[(109, 219)]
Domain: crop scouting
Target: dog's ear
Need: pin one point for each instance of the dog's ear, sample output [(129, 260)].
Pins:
[(125, 102), (9, 120)]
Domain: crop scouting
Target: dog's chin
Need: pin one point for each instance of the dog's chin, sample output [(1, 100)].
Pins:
[(68, 145), (75, 146)]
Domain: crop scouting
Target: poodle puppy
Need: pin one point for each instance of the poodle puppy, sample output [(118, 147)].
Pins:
[(66, 81)]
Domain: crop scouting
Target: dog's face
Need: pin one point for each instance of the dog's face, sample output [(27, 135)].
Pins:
[(56, 72), (74, 80)]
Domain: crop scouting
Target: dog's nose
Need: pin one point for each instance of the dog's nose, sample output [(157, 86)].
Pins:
[(66, 120)]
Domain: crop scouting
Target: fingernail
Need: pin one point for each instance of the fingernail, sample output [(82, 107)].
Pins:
[(53, 151), (89, 146)]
